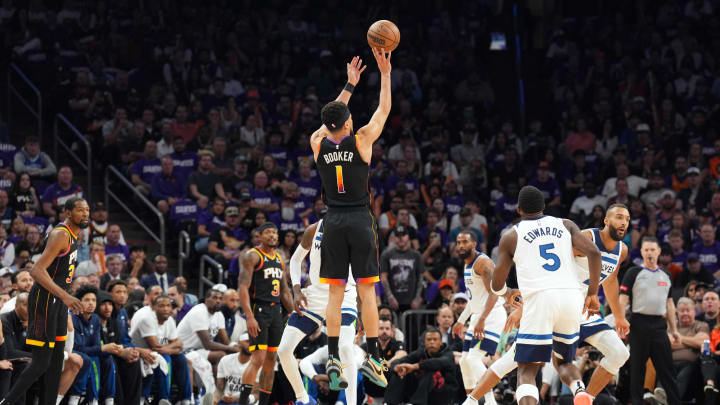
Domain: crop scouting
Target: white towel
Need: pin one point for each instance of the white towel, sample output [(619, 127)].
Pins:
[(202, 367), (147, 369)]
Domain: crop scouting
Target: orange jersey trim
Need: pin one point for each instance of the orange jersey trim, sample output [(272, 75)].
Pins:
[(336, 281), (367, 280)]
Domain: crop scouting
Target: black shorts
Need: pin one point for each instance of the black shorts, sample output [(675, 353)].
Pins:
[(47, 318), (349, 238), (270, 320)]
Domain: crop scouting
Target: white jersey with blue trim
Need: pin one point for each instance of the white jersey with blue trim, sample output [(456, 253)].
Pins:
[(316, 258), (476, 290), (610, 260), (544, 255)]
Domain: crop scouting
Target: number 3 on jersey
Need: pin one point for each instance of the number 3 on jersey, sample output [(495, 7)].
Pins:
[(339, 175), (72, 270), (549, 256)]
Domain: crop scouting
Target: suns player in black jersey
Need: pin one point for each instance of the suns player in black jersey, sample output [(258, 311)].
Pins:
[(48, 304), (350, 235), (263, 285)]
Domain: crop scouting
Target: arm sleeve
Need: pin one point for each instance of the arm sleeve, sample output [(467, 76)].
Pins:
[(629, 281), (296, 265), (307, 365)]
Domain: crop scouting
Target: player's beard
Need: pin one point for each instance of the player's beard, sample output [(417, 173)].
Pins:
[(464, 254), (614, 235), (83, 224)]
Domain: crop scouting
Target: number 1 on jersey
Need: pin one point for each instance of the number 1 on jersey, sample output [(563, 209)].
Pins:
[(339, 175)]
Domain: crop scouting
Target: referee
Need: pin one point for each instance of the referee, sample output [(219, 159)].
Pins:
[(648, 287)]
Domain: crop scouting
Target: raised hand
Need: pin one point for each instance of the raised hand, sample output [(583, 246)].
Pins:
[(354, 70), (383, 61)]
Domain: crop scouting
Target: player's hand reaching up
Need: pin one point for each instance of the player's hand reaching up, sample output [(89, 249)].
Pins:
[(592, 305), (383, 60), (354, 70), (73, 304)]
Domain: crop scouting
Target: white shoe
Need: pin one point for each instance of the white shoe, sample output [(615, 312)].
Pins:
[(164, 402), (661, 396)]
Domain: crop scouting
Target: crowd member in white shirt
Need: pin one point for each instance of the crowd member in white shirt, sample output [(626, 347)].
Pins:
[(198, 330), (635, 183), (229, 375), (153, 328), (584, 204), (21, 282)]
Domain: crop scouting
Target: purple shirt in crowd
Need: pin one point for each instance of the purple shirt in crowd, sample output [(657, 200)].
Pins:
[(146, 169), (119, 249), (709, 255)]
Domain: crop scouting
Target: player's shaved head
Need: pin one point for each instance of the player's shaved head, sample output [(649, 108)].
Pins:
[(531, 200), (616, 206), (22, 298)]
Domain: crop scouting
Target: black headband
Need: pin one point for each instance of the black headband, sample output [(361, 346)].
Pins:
[(265, 226), (334, 125)]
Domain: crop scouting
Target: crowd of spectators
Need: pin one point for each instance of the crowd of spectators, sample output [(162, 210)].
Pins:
[(207, 108)]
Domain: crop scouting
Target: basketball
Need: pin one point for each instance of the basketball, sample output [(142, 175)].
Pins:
[(383, 34)]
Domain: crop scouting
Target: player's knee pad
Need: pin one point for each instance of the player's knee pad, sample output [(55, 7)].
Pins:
[(505, 364), (291, 337), (527, 390), (615, 354), (615, 359), (466, 371)]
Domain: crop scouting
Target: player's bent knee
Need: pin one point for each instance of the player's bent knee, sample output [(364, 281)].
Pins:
[(615, 358), (527, 390)]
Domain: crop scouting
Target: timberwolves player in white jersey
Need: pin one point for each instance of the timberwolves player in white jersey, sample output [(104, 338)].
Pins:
[(309, 315), (594, 330), (542, 249), (485, 310)]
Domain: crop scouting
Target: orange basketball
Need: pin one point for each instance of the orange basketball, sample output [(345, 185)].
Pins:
[(383, 34)]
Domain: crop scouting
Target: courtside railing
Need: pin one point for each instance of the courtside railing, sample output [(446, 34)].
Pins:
[(413, 324), (85, 164), (205, 280), (183, 250), (112, 173), (34, 108)]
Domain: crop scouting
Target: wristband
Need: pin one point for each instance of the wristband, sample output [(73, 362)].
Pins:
[(349, 88), (502, 291)]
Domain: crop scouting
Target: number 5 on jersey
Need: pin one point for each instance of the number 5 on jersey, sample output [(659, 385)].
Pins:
[(339, 175), (549, 256)]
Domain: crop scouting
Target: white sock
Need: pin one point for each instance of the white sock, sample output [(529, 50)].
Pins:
[(59, 399), (490, 398), (94, 402), (74, 400), (110, 401), (577, 386)]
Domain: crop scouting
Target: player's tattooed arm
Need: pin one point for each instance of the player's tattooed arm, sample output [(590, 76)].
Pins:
[(484, 268), (57, 243), (285, 295), (249, 261), (585, 246)]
